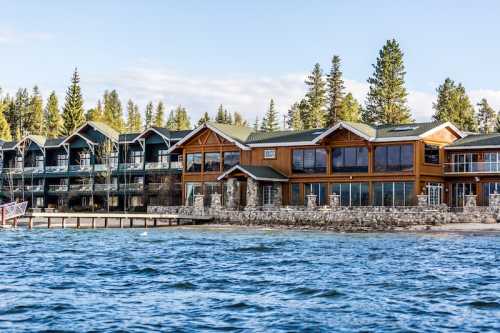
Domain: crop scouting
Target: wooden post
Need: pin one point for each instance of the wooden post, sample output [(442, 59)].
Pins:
[(121, 223), (3, 216), (14, 222), (63, 222), (131, 220), (78, 223), (48, 222), (93, 223), (169, 221), (178, 221), (155, 222), (145, 223), (105, 222), (30, 222)]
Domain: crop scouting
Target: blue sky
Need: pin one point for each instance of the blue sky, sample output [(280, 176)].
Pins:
[(203, 53)]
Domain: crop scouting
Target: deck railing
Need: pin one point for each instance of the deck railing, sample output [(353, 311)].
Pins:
[(131, 166), (132, 186), (56, 168), (472, 167), (80, 168), (33, 188), (105, 187), (58, 188), (12, 170), (157, 165), (35, 169), (81, 187)]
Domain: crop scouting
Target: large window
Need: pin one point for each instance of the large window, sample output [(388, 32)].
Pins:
[(351, 194), (191, 190), (393, 194), (135, 157), (350, 159), (490, 188), (295, 194), (231, 158), (39, 161), (431, 153), (459, 191), (84, 159), (393, 158), (212, 162), (62, 160), (193, 162), (319, 189), (211, 188), (267, 195), (492, 162), (309, 160), (163, 156)]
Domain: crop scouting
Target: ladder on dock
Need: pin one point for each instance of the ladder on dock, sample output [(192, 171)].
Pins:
[(12, 211)]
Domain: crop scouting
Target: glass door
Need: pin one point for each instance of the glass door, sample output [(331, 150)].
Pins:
[(434, 193), (459, 191)]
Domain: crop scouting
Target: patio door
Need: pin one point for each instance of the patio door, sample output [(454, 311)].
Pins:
[(434, 193), (459, 191)]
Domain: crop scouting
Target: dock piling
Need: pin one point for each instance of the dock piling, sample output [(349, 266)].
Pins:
[(30, 223), (105, 222), (121, 223), (63, 222), (78, 223), (48, 222), (93, 223)]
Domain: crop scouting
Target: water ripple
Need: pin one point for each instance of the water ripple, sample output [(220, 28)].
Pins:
[(191, 280)]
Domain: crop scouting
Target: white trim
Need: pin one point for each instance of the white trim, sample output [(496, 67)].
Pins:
[(76, 132), (282, 144), (147, 130), (472, 147), (444, 125), (81, 136), (27, 137), (239, 167), (341, 125), (208, 126), (396, 139)]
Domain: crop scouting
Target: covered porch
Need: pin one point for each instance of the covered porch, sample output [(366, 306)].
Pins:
[(250, 187)]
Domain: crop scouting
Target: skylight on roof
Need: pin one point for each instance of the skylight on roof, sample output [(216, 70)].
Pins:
[(404, 128), (318, 133)]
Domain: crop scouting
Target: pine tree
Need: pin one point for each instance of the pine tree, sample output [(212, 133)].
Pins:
[(204, 119), (335, 91), (239, 121), (295, 117), (159, 117), (454, 105), (5, 133), (34, 120), (113, 112), (95, 114), (228, 119), (486, 117), (221, 117), (148, 115), (17, 113), (134, 122), (171, 122), (270, 121), (386, 99), (314, 117), (53, 120), (73, 115), (256, 124), (182, 119), (349, 109)]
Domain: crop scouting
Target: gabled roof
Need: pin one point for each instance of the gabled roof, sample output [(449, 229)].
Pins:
[(104, 129), (37, 139), (260, 173), (235, 134), (476, 141)]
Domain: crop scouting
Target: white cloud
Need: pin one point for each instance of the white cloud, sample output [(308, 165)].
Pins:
[(11, 36)]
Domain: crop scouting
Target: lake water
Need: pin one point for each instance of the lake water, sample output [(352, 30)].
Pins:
[(191, 280)]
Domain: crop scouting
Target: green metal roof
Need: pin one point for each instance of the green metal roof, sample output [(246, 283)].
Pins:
[(400, 130), (261, 172), (238, 133), (473, 140), (284, 136)]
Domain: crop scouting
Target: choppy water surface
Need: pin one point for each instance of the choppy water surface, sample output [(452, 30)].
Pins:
[(190, 280)]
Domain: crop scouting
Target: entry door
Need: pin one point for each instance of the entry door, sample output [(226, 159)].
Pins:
[(243, 194), (434, 193)]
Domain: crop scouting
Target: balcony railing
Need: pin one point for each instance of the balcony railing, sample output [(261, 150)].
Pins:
[(176, 165), (155, 186), (33, 188), (56, 168), (80, 168), (472, 167), (105, 187), (58, 188), (132, 186), (80, 187), (12, 170), (131, 166), (104, 167), (35, 169), (157, 165)]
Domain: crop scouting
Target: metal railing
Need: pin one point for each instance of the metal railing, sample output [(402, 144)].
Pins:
[(79, 168), (33, 188), (132, 186), (104, 167), (12, 170), (56, 168), (131, 166), (176, 165), (155, 186), (472, 167), (105, 187), (80, 187), (58, 188), (35, 169), (157, 165)]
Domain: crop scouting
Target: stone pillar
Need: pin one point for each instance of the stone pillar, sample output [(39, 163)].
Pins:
[(311, 201), (277, 194), (470, 202), (334, 201), (232, 193), (215, 201), (198, 207), (422, 200), (252, 194), (494, 201)]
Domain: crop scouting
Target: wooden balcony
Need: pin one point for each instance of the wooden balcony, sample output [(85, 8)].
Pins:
[(472, 168)]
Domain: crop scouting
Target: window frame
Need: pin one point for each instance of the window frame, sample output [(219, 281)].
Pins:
[(211, 169), (388, 167), (272, 157), (356, 168), (224, 159), (316, 169), (434, 147), (195, 154)]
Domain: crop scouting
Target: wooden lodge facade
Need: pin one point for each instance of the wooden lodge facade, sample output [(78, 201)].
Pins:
[(384, 165)]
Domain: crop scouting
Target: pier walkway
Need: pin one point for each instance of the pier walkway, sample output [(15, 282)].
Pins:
[(108, 220)]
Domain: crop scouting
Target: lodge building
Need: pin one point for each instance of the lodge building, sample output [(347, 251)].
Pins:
[(382, 165)]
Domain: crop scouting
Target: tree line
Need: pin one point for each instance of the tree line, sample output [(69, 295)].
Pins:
[(326, 100), (25, 113)]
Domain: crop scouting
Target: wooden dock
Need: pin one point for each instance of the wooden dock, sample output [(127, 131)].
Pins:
[(109, 220)]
